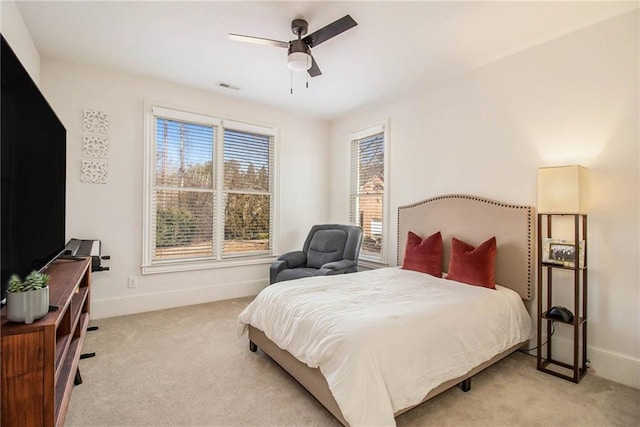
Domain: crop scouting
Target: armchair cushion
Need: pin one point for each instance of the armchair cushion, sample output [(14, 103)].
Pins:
[(326, 246)]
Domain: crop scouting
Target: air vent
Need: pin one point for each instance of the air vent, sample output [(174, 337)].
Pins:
[(227, 86)]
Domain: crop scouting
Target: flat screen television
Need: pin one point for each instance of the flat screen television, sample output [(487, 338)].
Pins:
[(33, 169)]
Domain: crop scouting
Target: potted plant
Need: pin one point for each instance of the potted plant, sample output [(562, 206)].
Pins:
[(29, 300)]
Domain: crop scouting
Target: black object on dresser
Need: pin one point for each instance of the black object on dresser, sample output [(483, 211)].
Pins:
[(33, 168)]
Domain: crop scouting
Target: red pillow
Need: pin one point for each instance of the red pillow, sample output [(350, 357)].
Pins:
[(424, 255), (475, 266)]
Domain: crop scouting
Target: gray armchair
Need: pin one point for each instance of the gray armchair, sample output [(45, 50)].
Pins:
[(329, 249)]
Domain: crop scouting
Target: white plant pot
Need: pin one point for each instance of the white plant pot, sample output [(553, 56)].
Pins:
[(27, 306)]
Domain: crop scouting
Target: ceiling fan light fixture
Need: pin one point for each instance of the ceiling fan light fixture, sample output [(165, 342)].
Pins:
[(299, 61)]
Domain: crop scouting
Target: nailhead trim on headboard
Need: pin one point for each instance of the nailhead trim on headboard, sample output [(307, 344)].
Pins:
[(530, 225)]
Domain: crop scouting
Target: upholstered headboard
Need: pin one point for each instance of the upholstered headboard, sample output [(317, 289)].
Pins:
[(474, 220)]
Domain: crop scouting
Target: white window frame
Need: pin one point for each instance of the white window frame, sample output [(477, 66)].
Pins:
[(369, 259), (150, 266)]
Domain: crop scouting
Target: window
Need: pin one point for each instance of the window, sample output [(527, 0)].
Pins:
[(208, 190), (367, 190)]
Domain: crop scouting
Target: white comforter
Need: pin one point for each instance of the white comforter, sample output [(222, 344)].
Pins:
[(384, 338)]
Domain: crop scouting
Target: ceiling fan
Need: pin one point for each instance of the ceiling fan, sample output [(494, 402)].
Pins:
[(299, 56)]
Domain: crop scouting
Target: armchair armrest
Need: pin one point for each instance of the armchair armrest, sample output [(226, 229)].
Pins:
[(287, 260), (337, 267), (276, 268), (294, 259)]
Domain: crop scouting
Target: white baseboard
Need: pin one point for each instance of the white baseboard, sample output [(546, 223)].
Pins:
[(616, 367), (110, 307), (607, 364)]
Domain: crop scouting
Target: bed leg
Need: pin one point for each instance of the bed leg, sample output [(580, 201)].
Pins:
[(252, 346), (466, 385)]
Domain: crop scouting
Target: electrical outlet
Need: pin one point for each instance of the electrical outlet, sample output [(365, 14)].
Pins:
[(132, 282)]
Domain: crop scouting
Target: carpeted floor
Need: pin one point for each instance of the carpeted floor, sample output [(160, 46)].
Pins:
[(189, 367)]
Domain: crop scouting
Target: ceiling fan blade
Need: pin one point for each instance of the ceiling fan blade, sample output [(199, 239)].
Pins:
[(329, 31), (258, 40), (314, 71)]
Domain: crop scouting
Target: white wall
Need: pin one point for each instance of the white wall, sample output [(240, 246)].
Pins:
[(15, 32), (573, 100), (112, 212)]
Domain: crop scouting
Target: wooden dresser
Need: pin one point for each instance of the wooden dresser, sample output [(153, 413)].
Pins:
[(40, 360)]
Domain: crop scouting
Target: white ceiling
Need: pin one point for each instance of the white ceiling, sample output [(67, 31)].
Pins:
[(396, 47)]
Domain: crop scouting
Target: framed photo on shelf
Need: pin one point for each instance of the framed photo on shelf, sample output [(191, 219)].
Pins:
[(562, 252)]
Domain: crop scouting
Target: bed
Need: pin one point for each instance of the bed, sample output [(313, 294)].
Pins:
[(374, 344)]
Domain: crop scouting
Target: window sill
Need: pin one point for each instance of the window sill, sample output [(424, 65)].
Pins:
[(176, 266)]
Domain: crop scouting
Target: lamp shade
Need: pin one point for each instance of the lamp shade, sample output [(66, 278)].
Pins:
[(298, 61), (562, 189)]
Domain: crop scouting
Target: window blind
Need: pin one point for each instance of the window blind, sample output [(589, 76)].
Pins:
[(183, 193), (248, 160), (367, 191)]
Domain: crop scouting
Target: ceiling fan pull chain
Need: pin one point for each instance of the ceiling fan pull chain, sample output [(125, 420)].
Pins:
[(291, 82), (308, 66)]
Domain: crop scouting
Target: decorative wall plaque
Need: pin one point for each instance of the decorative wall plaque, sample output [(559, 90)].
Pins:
[(95, 146), (94, 171), (95, 121)]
